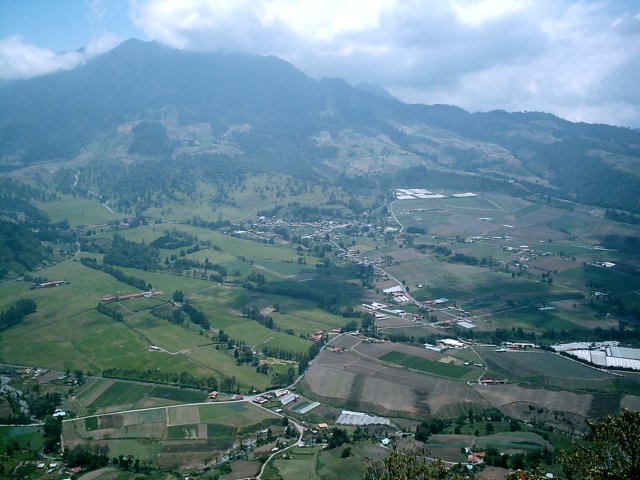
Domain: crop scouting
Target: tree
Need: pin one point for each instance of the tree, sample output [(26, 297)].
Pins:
[(178, 296), (407, 464), (612, 453)]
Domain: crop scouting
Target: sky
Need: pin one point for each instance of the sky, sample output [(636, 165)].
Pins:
[(577, 59)]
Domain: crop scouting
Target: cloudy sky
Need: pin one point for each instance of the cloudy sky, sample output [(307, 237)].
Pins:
[(577, 59)]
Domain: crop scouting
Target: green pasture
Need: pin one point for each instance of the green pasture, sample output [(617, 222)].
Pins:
[(308, 321), (78, 211), (475, 203), (165, 334), (121, 393), (143, 234), (221, 364), (84, 290), (242, 328), (239, 247), (142, 448), (89, 341), (27, 437), (428, 366), (317, 464), (513, 440), (167, 282), (125, 393), (603, 279), (506, 202), (91, 423), (472, 286), (524, 211), (87, 390), (530, 318), (576, 224)]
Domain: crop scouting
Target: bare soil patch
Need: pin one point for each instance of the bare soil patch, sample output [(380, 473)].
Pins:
[(345, 341), (358, 382)]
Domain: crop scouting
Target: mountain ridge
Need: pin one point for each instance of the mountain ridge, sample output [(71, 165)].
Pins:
[(267, 109)]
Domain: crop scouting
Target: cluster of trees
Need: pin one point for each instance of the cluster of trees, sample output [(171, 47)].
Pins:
[(16, 313), (431, 427), (284, 379), (183, 379), (126, 253), (254, 314), (244, 354), (254, 281), (42, 405), (117, 274), (313, 352), (196, 316), (281, 353), (16, 415), (174, 240), (624, 217), (86, 456), (337, 438), (112, 312), (129, 462), (210, 225), (519, 461), (150, 138), (51, 431), (20, 249)]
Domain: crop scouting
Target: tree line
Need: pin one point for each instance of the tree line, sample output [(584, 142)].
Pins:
[(183, 379), (117, 274), (16, 313)]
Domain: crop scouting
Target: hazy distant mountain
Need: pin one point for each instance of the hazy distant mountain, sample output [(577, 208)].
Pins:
[(265, 109), (375, 89)]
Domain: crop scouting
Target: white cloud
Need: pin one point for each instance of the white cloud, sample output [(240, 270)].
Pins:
[(562, 56), (97, 10), (23, 60)]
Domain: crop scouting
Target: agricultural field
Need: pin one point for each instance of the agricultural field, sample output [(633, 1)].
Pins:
[(189, 436), (440, 369), (364, 384), (527, 256), (104, 396), (544, 369), (560, 409), (79, 211)]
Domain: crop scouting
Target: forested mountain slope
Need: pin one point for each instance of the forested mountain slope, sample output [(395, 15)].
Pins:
[(265, 110)]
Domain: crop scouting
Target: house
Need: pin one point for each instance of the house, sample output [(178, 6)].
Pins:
[(213, 394), (476, 458)]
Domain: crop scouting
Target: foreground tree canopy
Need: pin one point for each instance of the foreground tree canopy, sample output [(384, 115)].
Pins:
[(611, 452), (408, 464)]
